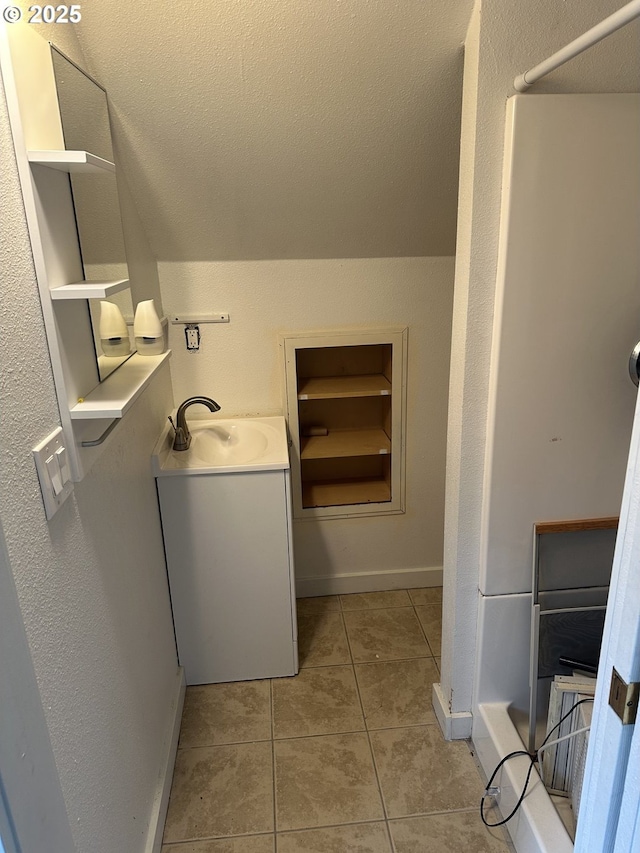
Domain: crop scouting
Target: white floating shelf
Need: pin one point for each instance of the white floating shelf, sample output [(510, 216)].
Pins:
[(115, 395), (89, 289), (71, 161)]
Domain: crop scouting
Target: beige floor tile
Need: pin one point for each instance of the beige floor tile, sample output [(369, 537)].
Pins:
[(438, 662), (326, 780), (430, 617), (420, 772), (391, 634), (361, 838), (226, 713), (426, 595), (321, 639), (246, 844), (447, 833), (319, 602), (397, 693), (317, 701), (221, 790), (376, 600)]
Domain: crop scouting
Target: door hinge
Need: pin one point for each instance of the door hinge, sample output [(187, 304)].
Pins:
[(623, 698)]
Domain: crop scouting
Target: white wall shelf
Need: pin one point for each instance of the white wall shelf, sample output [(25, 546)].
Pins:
[(89, 289), (115, 395), (70, 161)]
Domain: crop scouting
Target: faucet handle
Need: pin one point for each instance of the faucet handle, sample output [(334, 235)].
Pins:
[(170, 419), (182, 439)]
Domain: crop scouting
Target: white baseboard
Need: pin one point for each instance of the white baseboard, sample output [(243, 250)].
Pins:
[(170, 748), (454, 726), (537, 826), (368, 582)]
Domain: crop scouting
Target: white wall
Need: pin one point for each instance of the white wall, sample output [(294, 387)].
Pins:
[(28, 776), (240, 366), (567, 318), (91, 583), (501, 44)]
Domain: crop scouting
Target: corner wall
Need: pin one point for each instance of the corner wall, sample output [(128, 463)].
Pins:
[(501, 44), (240, 366), (91, 583)]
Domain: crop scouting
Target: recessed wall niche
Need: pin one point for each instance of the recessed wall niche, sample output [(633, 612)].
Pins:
[(346, 402)]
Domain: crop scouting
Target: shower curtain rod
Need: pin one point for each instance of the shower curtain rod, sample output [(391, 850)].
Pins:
[(614, 22)]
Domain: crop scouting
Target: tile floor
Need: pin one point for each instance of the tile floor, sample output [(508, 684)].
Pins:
[(346, 756)]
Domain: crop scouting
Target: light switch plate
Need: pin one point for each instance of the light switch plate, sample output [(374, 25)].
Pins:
[(47, 456)]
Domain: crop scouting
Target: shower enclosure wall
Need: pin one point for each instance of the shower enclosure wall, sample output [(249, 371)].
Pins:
[(561, 401)]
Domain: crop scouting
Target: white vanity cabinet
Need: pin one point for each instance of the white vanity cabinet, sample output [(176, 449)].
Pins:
[(230, 562)]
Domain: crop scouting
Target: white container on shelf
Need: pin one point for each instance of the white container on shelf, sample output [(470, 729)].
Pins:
[(148, 330), (114, 335)]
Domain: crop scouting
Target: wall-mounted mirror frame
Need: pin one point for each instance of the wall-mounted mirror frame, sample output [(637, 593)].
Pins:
[(84, 115)]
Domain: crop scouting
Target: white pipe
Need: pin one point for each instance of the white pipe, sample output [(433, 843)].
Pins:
[(614, 22)]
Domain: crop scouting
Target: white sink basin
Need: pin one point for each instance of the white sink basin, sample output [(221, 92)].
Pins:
[(224, 446), (232, 443)]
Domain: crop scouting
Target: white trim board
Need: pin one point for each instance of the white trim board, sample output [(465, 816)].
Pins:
[(454, 726), (165, 778), (353, 582), (536, 827)]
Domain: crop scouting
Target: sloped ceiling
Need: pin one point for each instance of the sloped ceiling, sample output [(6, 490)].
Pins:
[(265, 129)]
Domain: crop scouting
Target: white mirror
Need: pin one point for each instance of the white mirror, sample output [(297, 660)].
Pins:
[(85, 125)]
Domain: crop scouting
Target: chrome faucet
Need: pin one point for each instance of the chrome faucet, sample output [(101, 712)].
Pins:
[(182, 438)]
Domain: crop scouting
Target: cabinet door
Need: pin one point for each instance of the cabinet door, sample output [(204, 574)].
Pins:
[(227, 546)]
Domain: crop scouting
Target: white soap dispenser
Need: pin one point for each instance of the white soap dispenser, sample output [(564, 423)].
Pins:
[(114, 335), (147, 329)]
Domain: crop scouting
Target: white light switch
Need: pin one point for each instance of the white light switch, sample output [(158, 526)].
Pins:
[(52, 465), (63, 462), (53, 472)]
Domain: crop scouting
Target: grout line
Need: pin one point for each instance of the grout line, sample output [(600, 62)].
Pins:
[(422, 628), (226, 743), (392, 660), (373, 760), (205, 838), (322, 734), (382, 607), (332, 825), (273, 766), (371, 662), (351, 732)]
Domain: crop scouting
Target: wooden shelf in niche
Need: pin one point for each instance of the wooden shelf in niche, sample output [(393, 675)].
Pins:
[(71, 161), (339, 443), (345, 492), (333, 387)]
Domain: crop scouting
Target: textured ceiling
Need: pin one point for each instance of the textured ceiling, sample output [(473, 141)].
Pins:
[(262, 129)]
